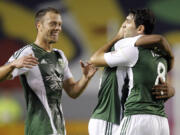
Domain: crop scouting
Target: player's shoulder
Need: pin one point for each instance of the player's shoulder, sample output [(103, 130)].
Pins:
[(127, 42), (27, 49), (59, 51)]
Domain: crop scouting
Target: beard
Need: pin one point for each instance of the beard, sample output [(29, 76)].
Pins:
[(53, 40)]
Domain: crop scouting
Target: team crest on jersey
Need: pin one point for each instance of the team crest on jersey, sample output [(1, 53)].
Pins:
[(55, 81), (61, 63)]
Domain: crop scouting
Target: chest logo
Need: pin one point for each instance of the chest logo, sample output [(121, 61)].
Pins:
[(43, 61), (61, 63)]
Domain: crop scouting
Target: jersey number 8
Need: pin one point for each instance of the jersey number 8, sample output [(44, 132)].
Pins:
[(161, 71)]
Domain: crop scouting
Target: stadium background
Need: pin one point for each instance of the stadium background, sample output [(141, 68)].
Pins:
[(87, 25)]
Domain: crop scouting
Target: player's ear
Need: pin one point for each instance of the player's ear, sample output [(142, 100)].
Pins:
[(140, 29), (38, 25)]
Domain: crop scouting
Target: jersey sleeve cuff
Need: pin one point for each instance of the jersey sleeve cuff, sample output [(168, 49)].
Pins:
[(108, 59)]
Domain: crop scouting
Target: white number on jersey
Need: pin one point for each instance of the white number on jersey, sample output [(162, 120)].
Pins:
[(161, 70)]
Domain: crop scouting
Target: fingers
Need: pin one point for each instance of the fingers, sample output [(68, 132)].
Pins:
[(159, 87), (85, 64), (26, 61), (88, 69), (28, 66), (160, 91), (30, 54), (30, 57), (161, 97), (82, 63), (93, 69), (161, 81), (160, 94), (31, 60)]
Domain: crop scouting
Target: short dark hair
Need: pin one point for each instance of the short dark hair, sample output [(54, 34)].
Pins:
[(144, 17), (42, 12)]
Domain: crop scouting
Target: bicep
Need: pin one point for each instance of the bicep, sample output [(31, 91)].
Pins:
[(68, 84)]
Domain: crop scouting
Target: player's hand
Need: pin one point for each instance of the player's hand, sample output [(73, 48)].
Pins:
[(120, 33), (88, 69), (25, 62), (163, 90)]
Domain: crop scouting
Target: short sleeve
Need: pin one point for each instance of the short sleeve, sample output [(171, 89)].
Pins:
[(18, 54), (67, 72), (126, 42), (125, 54), (125, 57)]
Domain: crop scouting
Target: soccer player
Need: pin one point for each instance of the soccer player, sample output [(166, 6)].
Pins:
[(43, 84), (24, 62), (131, 70)]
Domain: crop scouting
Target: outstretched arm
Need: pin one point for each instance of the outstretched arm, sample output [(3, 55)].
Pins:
[(74, 89), (24, 62), (152, 41), (98, 57)]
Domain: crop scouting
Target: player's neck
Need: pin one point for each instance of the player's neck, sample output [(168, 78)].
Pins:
[(45, 45)]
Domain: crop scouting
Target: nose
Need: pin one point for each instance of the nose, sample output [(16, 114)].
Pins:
[(58, 28)]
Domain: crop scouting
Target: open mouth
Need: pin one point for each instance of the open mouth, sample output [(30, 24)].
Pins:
[(54, 33)]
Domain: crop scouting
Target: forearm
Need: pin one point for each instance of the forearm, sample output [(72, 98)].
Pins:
[(80, 86), (165, 46), (5, 71), (151, 41), (98, 57), (74, 89), (170, 93)]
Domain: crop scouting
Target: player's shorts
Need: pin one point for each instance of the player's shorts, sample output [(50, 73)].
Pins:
[(144, 125), (101, 127)]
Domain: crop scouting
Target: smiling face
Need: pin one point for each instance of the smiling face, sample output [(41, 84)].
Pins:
[(49, 27), (129, 27)]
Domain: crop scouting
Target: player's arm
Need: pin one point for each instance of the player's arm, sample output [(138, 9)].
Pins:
[(98, 57), (152, 41), (23, 62), (73, 88), (163, 90)]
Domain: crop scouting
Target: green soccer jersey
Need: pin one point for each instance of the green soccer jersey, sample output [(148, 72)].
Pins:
[(115, 81), (132, 72), (109, 107), (146, 73), (43, 89)]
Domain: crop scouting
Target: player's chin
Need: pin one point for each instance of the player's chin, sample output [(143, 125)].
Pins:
[(54, 40)]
